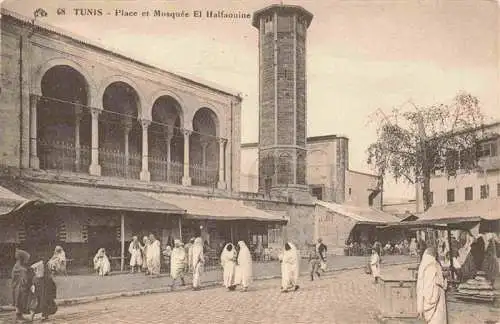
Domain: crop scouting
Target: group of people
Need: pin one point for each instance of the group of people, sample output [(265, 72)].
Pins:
[(145, 256), (33, 289)]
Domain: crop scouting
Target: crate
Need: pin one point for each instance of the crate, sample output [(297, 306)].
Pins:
[(397, 298)]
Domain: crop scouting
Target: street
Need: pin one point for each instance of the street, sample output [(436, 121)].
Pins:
[(342, 297)]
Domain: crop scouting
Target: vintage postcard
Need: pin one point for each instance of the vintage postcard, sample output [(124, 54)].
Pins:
[(262, 161)]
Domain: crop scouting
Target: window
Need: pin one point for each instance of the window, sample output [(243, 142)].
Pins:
[(450, 195), (485, 191), (350, 191), (431, 198), (487, 149), (268, 24), (498, 189), (317, 192), (274, 234), (468, 193)]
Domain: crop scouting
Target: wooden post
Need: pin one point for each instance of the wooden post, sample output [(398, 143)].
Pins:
[(452, 267), (122, 239), (180, 228), (231, 228)]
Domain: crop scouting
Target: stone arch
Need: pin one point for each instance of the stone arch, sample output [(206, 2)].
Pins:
[(215, 118), (217, 112), (36, 80), (120, 78), (165, 93)]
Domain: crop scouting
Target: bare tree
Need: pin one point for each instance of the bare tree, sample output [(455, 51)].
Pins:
[(411, 145)]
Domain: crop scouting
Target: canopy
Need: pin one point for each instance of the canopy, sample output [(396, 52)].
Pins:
[(91, 197), (219, 208)]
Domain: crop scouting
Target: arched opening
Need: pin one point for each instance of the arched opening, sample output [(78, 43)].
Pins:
[(267, 170), (301, 170), (63, 121), (204, 149), (166, 141), (285, 169), (120, 133)]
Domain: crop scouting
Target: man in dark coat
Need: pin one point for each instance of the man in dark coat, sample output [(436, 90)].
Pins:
[(21, 283), (43, 292)]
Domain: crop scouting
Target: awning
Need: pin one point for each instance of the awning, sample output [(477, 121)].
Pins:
[(488, 209), (91, 197), (362, 215), (457, 223), (11, 203), (218, 208)]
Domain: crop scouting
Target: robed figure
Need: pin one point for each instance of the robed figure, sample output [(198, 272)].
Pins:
[(243, 274), (228, 262), (431, 289), (289, 268), (43, 292), (21, 282), (154, 256), (198, 260), (102, 266), (135, 250), (178, 259)]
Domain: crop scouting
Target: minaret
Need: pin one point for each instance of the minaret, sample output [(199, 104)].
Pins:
[(282, 99)]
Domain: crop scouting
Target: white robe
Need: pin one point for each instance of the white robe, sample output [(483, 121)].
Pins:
[(102, 264), (375, 265), (198, 260), (290, 268), (431, 295), (244, 268), (154, 258), (135, 254), (177, 262), (227, 260)]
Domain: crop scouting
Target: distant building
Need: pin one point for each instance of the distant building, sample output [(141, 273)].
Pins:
[(474, 193), (328, 175)]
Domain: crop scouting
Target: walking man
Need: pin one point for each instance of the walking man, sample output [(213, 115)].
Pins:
[(321, 249), (314, 261)]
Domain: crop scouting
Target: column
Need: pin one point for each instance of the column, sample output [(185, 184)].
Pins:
[(180, 228), (95, 168), (34, 160), (204, 172), (168, 140), (122, 241), (127, 126), (78, 118), (186, 179), (145, 175), (222, 181)]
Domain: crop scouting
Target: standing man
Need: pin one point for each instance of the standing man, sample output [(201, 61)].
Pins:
[(178, 260), (431, 289), (321, 248), (314, 261), (198, 259), (154, 256), (135, 255)]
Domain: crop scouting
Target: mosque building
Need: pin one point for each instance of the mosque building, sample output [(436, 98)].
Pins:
[(97, 147)]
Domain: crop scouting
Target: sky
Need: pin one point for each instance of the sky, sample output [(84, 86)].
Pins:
[(361, 55)]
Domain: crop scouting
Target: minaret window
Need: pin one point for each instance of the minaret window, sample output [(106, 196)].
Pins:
[(268, 24)]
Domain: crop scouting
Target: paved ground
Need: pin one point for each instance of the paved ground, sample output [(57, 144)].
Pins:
[(344, 297), (90, 285)]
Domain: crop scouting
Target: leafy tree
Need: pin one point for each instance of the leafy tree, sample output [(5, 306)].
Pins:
[(412, 144)]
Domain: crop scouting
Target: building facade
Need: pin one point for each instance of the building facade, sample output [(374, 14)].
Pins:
[(483, 183), (328, 175), (115, 148)]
